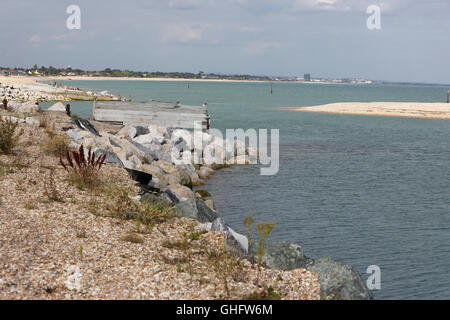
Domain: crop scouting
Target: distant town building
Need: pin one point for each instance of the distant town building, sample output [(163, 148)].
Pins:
[(307, 77)]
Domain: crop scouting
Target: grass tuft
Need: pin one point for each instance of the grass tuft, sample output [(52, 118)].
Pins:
[(8, 137)]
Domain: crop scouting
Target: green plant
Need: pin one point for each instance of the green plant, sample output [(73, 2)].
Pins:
[(148, 213), (178, 244), (58, 145), (83, 173), (203, 194), (8, 138), (30, 205), (268, 293), (94, 207), (50, 189), (225, 266), (43, 121), (264, 229), (81, 235), (133, 238), (248, 222), (196, 235), (74, 117)]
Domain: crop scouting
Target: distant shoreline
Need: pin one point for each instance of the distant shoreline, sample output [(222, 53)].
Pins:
[(25, 79), (387, 109)]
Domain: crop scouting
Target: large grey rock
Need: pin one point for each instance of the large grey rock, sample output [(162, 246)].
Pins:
[(149, 155), (111, 157), (235, 243), (170, 196), (199, 211), (141, 130), (32, 121), (14, 105), (187, 209), (156, 198), (74, 135), (128, 131), (144, 139), (140, 176), (165, 153), (286, 256), (339, 281), (29, 107), (205, 214), (182, 191), (153, 191)]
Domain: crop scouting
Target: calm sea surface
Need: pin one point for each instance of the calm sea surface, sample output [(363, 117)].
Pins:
[(362, 190)]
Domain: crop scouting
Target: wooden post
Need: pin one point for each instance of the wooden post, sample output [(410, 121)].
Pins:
[(271, 88), (448, 96), (93, 108), (189, 84), (68, 110)]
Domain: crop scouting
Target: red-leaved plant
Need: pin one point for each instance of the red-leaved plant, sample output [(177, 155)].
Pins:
[(84, 171)]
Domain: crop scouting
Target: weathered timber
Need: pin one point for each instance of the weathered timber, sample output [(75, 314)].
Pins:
[(153, 112)]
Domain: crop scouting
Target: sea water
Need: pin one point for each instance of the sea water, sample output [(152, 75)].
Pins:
[(363, 190)]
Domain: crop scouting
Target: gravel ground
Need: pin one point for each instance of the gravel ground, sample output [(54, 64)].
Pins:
[(58, 242)]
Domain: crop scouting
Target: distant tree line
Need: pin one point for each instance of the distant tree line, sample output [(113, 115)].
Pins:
[(108, 72)]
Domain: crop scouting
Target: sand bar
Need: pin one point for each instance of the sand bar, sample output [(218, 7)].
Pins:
[(390, 109)]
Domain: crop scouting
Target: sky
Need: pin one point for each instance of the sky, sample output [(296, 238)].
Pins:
[(327, 38)]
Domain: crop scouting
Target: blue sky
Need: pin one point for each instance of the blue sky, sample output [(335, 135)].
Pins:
[(327, 38)]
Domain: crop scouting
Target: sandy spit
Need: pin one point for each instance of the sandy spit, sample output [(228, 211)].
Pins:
[(390, 109)]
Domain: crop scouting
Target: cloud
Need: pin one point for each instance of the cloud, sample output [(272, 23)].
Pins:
[(254, 48), (188, 4), (184, 33), (35, 39), (262, 36), (262, 7)]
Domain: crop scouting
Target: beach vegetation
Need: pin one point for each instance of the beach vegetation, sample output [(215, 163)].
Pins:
[(30, 205), (226, 266), (81, 252), (196, 235), (182, 245), (203, 194), (43, 121), (267, 293), (248, 222), (51, 191), (264, 229), (133, 238), (119, 204), (83, 171), (81, 235), (8, 136), (58, 145)]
